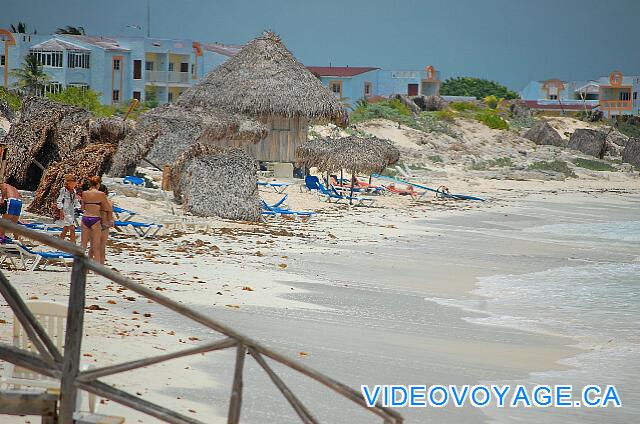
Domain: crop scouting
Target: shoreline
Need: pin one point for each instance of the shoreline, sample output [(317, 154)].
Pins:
[(321, 258)]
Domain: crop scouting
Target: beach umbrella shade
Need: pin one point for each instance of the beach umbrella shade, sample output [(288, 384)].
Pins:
[(355, 154)]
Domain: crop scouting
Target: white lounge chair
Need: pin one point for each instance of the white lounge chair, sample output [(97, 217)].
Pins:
[(23, 257), (53, 318)]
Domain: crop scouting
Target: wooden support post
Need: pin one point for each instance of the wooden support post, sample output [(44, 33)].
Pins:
[(235, 404), (73, 341), (166, 178)]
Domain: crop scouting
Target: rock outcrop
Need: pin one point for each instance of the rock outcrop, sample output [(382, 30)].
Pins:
[(589, 142), (544, 134), (519, 110), (408, 102), (631, 153), (430, 103)]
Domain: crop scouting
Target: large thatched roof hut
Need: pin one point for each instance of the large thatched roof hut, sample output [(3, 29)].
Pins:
[(46, 132), (212, 180), (163, 134), (266, 81), (355, 154)]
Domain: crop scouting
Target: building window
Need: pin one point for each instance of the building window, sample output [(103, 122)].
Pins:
[(78, 60), (553, 97), (170, 96), (50, 59), (170, 67), (184, 67), (336, 87), (81, 85), (116, 96), (116, 64), (635, 95), (137, 69), (148, 66), (2, 63), (625, 95), (367, 89), (136, 95)]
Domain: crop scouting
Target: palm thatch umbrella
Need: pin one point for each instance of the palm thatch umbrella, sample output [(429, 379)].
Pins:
[(93, 159), (166, 132), (46, 132), (356, 154), (263, 79), (213, 180)]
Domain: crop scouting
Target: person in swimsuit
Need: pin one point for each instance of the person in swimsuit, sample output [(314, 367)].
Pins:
[(93, 202), (106, 222), (67, 203), (10, 206)]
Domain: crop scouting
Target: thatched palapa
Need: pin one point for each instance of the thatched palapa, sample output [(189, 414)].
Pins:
[(355, 154), (213, 180), (168, 131), (266, 81), (46, 132), (93, 159)]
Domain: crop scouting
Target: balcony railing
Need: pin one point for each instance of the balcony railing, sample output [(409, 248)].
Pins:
[(616, 104), (167, 77)]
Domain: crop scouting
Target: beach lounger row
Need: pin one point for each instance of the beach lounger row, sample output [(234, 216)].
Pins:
[(331, 195), (279, 210), (24, 258), (139, 229), (275, 186)]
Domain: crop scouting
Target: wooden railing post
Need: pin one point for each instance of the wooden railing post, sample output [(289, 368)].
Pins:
[(73, 340), (235, 404)]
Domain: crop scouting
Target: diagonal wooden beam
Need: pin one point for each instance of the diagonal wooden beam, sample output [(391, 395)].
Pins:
[(104, 390), (304, 414), (29, 360), (40, 339), (93, 374)]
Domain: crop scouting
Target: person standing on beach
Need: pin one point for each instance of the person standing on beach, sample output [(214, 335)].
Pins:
[(10, 207), (67, 203), (93, 202), (106, 223)]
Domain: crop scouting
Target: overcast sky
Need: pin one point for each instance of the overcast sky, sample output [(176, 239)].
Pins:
[(511, 41)]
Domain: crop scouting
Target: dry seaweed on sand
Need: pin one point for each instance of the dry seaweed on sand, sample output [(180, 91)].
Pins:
[(213, 180)]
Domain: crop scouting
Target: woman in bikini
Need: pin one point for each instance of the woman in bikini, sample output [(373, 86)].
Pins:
[(106, 224), (93, 202)]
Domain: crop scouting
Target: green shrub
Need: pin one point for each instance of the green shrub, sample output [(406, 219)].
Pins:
[(491, 101), (492, 120), (84, 98), (463, 106), (445, 115), (477, 87), (629, 128), (389, 172), (594, 165), (393, 110), (503, 162), (435, 159), (10, 98), (556, 166), (434, 122)]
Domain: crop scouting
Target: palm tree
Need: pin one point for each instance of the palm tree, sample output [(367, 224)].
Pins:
[(21, 28), (30, 78), (71, 30)]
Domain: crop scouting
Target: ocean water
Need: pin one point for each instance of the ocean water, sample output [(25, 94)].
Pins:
[(595, 303)]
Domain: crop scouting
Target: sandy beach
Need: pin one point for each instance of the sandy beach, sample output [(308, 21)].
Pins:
[(366, 295)]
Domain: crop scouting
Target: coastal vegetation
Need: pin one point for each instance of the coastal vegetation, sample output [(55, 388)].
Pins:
[(555, 166), (491, 119), (84, 98), (593, 165), (30, 77), (503, 162), (476, 87), (392, 110), (10, 98)]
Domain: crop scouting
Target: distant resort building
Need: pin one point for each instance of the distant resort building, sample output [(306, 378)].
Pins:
[(614, 95), (120, 68), (355, 83)]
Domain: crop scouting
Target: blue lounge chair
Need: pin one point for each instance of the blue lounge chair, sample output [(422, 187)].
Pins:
[(123, 214), (22, 257), (130, 179), (139, 229), (271, 211), (279, 203), (329, 195), (277, 187)]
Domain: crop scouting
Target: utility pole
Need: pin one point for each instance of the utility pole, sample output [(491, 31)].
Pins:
[(148, 18)]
